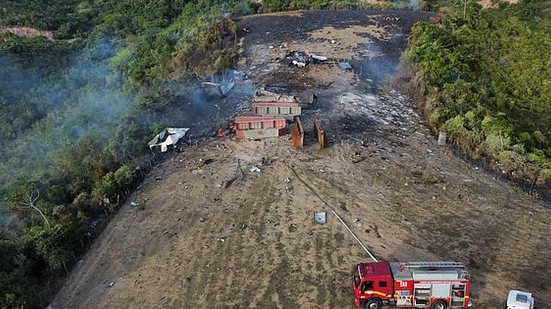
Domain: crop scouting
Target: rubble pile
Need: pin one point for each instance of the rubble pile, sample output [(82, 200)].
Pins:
[(301, 59), (392, 109)]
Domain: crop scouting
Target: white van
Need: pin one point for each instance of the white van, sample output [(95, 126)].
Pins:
[(519, 300)]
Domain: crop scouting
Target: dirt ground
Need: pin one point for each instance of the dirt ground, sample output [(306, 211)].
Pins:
[(27, 32), (198, 242)]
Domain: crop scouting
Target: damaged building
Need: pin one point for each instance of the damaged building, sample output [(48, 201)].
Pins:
[(166, 138), (255, 127), (283, 109)]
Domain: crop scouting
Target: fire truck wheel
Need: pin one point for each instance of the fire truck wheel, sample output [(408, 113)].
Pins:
[(373, 304), (439, 305)]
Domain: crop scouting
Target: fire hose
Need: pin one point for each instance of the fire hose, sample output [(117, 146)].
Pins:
[(352, 233), (335, 214)]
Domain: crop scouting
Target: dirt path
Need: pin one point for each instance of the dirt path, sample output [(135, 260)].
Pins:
[(254, 244), (27, 32)]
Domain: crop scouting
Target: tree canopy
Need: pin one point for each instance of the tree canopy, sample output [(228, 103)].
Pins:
[(488, 79)]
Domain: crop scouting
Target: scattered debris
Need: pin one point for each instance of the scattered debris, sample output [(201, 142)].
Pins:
[(239, 172), (359, 159), (167, 137), (298, 59), (312, 99), (320, 217), (159, 177), (391, 18), (218, 89), (316, 59), (442, 138), (112, 284), (345, 66), (275, 89), (134, 204), (302, 59), (207, 161), (238, 175), (269, 96), (254, 168), (266, 161)]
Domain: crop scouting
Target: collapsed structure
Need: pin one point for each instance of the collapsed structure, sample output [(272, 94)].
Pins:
[(254, 127), (167, 137), (271, 113), (285, 109)]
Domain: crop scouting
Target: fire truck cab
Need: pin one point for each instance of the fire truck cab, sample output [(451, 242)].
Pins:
[(435, 285)]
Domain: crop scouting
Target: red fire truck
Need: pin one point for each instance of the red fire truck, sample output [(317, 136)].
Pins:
[(435, 285)]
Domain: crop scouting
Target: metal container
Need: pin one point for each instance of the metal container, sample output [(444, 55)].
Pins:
[(253, 127), (286, 109)]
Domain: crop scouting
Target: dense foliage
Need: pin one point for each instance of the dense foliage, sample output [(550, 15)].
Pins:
[(46, 15), (487, 75), (76, 113)]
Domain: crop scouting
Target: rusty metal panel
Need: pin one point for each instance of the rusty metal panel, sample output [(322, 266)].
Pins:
[(320, 134), (297, 133)]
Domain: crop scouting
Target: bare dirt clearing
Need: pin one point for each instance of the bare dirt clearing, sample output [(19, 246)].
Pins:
[(254, 244), (27, 32)]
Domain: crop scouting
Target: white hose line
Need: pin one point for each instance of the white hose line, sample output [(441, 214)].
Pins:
[(353, 235), (334, 213)]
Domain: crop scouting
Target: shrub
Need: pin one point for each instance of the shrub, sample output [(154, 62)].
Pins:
[(495, 143)]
